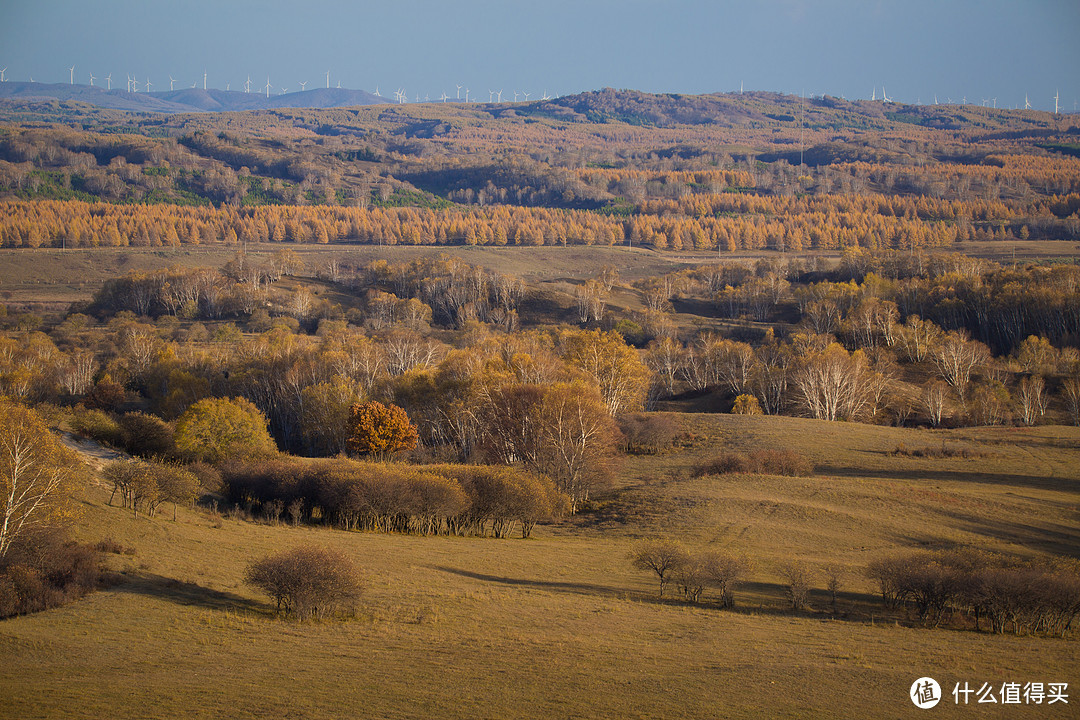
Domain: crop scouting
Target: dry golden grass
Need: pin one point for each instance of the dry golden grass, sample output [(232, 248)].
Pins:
[(561, 626)]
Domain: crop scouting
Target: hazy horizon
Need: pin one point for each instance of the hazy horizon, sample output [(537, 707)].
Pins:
[(917, 51)]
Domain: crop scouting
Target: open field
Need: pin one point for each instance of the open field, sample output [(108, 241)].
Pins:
[(561, 625)]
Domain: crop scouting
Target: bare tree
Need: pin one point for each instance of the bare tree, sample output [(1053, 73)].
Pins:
[(957, 357), (934, 399), (1031, 399), (660, 556)]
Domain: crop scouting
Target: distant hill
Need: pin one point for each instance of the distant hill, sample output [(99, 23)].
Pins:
[(186, 100)]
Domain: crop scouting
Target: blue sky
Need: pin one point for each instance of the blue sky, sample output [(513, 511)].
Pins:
[(978, 49)]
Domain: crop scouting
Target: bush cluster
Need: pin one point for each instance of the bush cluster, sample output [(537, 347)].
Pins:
[(431, 499), (308, 582), (45, 570), (1023, 597), (761, 462)]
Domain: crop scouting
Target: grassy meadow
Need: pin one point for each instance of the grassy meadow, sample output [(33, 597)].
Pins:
[(560, 625)]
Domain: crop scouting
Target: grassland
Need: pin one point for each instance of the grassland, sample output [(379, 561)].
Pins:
[(51, 278), (561, 625)]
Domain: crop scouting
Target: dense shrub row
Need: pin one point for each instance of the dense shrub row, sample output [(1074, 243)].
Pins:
[(761, 462), (1023, 597), (430, 499)]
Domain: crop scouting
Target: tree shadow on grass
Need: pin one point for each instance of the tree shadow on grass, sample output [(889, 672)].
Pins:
[(184, 593), (571, 587), (855, 606), (1060, 484)]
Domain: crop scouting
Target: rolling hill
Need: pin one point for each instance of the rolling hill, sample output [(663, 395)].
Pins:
[(185, 100)]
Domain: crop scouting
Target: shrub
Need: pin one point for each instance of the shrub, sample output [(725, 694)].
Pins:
[(746, 405), (764, 462), (796, 578), (45, 569), (98, 425), (1031, 597), (146, 435), (648, 433), (307, 582)]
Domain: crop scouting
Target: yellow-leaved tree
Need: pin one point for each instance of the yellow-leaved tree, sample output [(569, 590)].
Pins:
[(214, 428), (379, 431), (37, 476)]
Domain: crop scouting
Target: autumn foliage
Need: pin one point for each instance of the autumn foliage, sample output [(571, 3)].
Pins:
[(379, 431)]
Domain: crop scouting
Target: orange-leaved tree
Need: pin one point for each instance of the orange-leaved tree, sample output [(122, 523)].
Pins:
[(379, 431)]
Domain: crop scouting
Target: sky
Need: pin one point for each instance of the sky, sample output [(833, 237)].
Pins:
[(916, 49)]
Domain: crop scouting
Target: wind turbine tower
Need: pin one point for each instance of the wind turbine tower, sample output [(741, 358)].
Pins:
[(2, 78), (108, 79), (327, 79), (91, 79), (458, 92), (303, 85), (72, 69), (1057, 94), (172, 81), (247, 84), (268, 86), (1027, 105), (148, 84)]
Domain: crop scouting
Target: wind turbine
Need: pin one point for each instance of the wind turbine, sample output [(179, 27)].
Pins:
[(444, 96), (1027, 105), (134, 84), (458, 92), (108, 79), (873, 94), (376, 93), (2, 78), (516, 93), (91, 79), (1056, 98), (204, 80), (172, 80), (72, 68), (148, 84), (129, 83), (303, 85), (526, 95), (338, 84), (327, 79), (545, 96), (268, 86), (247, 84), (491, 94), (884, 97), (466, 96), (228, 86)]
